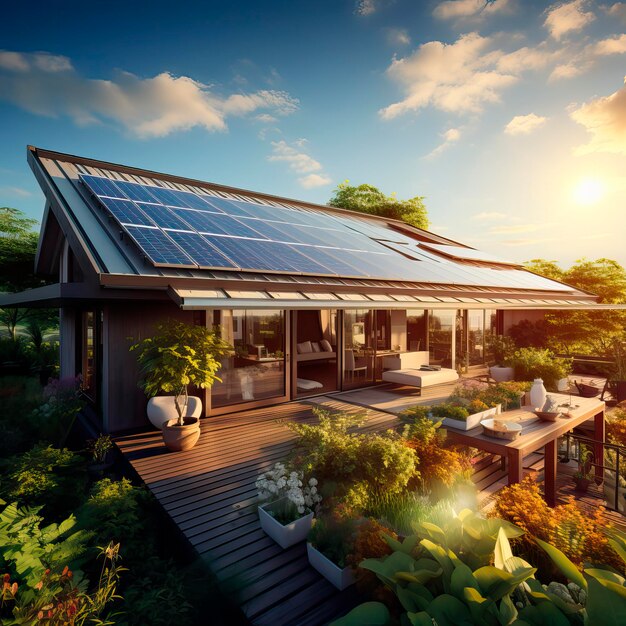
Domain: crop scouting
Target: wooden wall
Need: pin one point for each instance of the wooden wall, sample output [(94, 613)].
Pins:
[(124, 404)]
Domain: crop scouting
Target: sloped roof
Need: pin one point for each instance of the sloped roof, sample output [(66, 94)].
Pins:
[(429, 266)]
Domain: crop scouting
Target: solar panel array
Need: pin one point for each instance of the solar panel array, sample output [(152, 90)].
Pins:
[(176, 228), (198, 229)]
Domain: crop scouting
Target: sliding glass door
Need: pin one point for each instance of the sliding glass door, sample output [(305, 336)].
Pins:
[(256, 370), (358, 356)]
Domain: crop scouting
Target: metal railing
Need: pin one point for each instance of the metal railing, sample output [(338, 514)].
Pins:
[(572, 451)]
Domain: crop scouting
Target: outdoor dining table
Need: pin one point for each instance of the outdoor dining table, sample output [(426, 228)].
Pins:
[(537, 434)]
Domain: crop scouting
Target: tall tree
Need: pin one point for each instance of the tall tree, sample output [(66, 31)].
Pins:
[(586, 332), (18, 246), (369, 199)]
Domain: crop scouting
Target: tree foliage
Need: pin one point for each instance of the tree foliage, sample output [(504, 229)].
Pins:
[(586, 332), (369, 199)]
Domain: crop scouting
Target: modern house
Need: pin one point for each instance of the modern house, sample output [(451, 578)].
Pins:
[(314, 299)]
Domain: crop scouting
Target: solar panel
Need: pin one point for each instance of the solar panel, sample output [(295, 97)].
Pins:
[(103, 186), (137, 192), (200, 250), (126, 212), (158, 247), (216, 224), (162, 216)]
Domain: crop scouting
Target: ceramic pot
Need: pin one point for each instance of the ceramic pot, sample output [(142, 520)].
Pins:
[(538, 394), (162, 409), (180, 438), (501, 374), (288, 534), (582, 484), (340, 578)]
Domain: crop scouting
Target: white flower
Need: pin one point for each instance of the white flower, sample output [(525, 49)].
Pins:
[(312, 482)]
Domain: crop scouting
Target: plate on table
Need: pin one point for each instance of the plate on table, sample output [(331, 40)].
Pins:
[(501, 429)]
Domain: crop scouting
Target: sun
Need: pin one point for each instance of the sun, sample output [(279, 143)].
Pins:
[(589, 191)]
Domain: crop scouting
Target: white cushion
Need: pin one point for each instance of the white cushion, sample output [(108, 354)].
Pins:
[(315, 346), (305, 384), (325, 345), (304, 347), (420, 378)]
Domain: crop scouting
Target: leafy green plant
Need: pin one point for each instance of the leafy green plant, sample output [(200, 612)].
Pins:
[(114, 510), (334, 534), (502, 349), (100, 447), (44, 476), (351, 467), (531, 363), (177, 356), (451, 411)]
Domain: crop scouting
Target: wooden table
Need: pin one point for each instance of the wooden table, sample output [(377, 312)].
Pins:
[(535, 435)]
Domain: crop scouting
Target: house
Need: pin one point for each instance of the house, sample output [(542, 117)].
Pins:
[(314, 299)]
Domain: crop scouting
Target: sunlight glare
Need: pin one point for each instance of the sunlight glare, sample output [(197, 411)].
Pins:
[(589, 191)]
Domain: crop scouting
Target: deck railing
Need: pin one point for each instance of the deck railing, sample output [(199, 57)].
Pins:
[(614, 455)]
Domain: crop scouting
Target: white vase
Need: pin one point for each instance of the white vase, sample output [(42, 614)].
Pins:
[(288, 534), (340, 578), (562, 384), (538, 394), (162, 409)]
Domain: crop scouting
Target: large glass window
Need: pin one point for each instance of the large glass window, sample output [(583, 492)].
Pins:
[(256, 370), (88, 353), (476, 336), (358, 362), (416, 331), (440, 331)]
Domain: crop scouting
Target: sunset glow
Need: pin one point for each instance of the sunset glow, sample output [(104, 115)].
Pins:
[(589, 191)]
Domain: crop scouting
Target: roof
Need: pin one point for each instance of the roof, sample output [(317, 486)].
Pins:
[(381, 259)]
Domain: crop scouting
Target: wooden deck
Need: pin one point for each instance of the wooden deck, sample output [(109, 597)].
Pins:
[(209, 493)]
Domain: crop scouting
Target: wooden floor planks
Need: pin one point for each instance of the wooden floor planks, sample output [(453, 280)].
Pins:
[(209, 493)]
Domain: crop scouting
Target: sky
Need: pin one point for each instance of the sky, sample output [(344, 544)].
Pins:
[(508, 116)]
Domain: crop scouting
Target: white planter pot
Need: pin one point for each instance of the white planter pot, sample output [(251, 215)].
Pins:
[(501, 374), (288, 535), (472, 420), (162, 409), (340, 578), (562, 384)]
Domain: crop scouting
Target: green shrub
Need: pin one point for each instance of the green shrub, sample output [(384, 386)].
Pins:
[(450, 410), (46, 476), (352, 467), (115, 512), (531, 363), (334, 535)]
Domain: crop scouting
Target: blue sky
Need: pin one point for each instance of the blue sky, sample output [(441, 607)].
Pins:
[(508, 115)]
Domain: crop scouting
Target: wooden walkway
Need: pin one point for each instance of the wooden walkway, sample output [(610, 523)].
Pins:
[(209, 493)]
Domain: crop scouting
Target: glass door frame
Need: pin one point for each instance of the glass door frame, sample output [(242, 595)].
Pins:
[(253, 404)]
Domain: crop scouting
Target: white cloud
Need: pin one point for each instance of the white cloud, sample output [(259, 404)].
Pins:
[(146, 107), (460, 77), (489, 216), (266, 118), (526, 58), (365, 7), (617, 10), (455, 9), (450, 136), (524, 124), (569, 70), (314, 180), (567, 17), (612, 45), (299, 162), (398, 37), (605, 119), (16, 191)]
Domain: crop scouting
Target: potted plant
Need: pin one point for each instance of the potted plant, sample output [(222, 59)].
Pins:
[(100, 450), (532, 363), (330, 543), (583, 476), (501, 347), (179, 355), (286, 512), (463, 417)]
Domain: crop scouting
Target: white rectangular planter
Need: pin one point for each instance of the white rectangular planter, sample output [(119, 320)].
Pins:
[(340, 578), (472, 420), (288, 535)]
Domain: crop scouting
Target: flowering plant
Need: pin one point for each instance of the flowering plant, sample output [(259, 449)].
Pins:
[(295, 499)]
